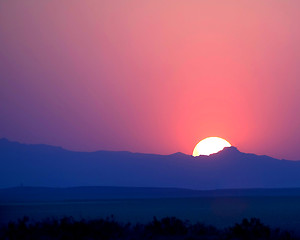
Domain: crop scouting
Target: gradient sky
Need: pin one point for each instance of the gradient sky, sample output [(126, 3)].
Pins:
[(151, 76)]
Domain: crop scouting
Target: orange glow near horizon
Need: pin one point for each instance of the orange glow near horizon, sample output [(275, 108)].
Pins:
[(210, 145)]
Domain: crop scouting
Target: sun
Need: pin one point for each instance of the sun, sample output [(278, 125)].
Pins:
[(210, 145)]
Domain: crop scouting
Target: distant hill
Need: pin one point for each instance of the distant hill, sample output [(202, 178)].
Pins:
[(48, 166), (45, 194)]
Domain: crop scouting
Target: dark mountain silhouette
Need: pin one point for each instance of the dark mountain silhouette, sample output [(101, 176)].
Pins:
[(43, 165)]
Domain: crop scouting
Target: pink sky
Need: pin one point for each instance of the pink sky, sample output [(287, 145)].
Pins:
[(151, 76)]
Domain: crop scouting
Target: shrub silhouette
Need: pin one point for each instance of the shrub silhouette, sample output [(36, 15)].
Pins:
[(109, 229), (169, 226), (252, 229), (200, 229)]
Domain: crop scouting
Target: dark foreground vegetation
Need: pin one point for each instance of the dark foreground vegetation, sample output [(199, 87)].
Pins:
[(109, 228)]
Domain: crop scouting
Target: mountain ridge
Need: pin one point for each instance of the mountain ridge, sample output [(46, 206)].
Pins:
[(231, 149), (45, 165)]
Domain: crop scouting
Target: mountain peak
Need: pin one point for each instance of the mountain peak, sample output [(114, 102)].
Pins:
[(231, 149), (227, 151), (179, 154)]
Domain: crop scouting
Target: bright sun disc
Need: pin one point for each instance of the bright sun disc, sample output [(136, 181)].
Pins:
[(210, 145)]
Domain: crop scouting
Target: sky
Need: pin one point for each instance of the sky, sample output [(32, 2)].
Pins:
[(151, 76)]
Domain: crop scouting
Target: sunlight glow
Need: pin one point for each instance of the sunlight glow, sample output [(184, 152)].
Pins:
[(210, 145)]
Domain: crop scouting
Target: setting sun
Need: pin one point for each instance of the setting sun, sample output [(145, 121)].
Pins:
[(210, 145)]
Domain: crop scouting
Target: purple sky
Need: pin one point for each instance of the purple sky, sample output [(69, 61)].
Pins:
[(151, 76)]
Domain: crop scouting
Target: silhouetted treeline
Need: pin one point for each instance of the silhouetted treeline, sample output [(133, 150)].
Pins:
[(109, 228)]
